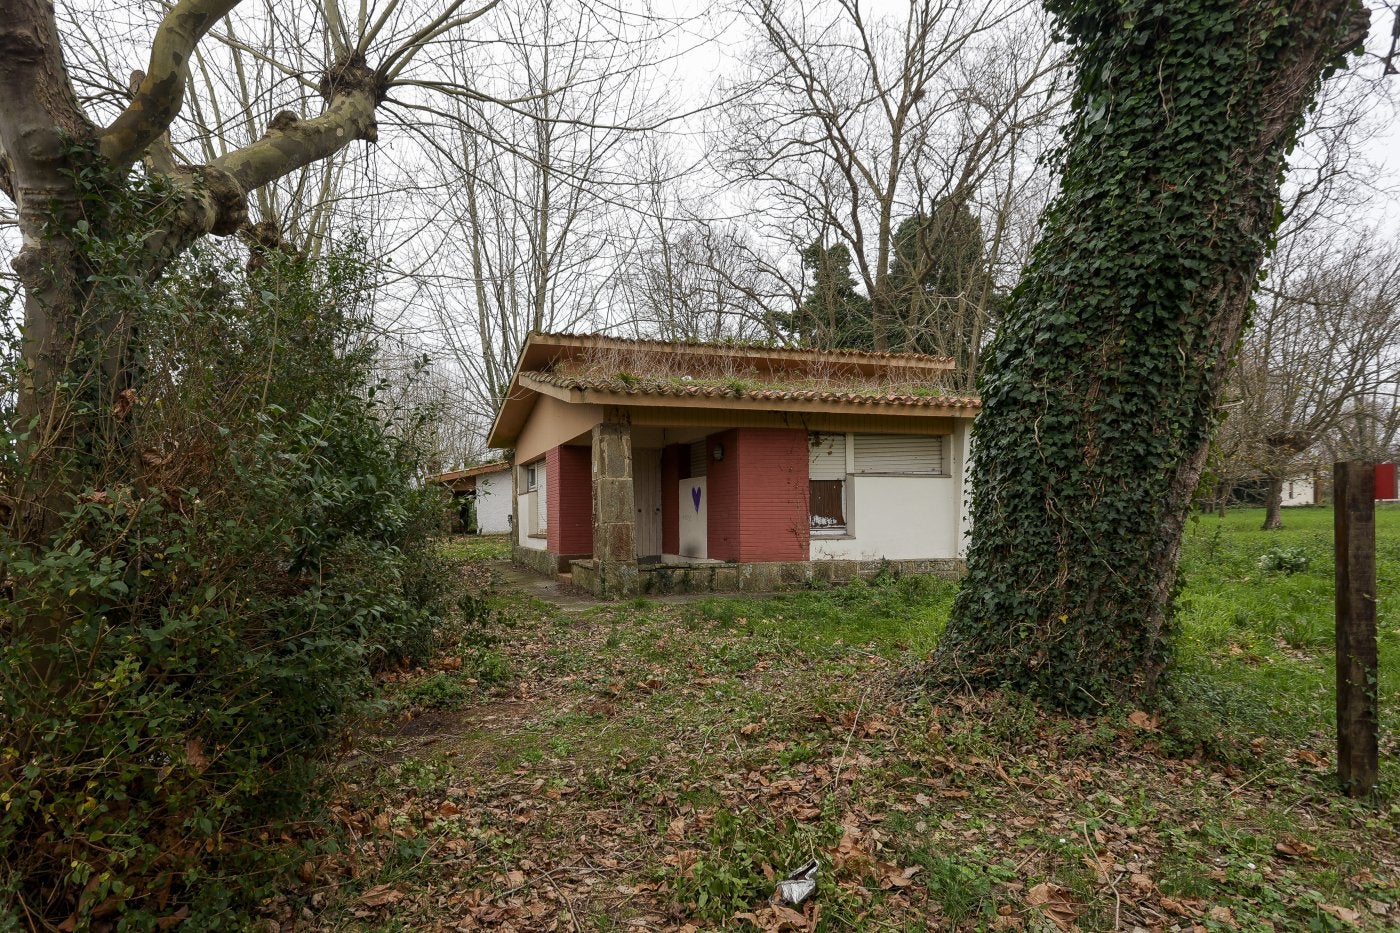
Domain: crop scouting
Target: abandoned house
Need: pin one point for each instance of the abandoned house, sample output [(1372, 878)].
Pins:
[(646, 466), (482, 496)]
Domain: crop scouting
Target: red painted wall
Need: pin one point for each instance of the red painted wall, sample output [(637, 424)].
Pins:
[(758, 495), (671, 458), (1385, 481), (725, 498), (569, 473)]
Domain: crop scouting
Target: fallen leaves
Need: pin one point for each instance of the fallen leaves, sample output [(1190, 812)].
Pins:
[(1055, 902), (1142, 720), (601, 797), (1344, 914), (1292, 848), (381, 895)]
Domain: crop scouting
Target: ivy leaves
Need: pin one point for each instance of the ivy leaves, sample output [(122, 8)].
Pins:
[(1099, 396)]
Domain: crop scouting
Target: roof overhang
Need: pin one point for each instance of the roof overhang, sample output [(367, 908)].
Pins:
[(455, 476), (544, 352), (757, 401)]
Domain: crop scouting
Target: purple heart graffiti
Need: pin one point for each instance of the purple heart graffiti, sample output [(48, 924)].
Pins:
[(695, 496)]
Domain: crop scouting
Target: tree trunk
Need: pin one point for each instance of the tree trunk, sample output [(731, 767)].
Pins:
[(70, 181), (1273, 507), (1223, 491), (1100, 390)]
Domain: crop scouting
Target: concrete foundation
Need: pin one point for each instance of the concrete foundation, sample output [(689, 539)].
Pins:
[(612, 581), (544, 562)]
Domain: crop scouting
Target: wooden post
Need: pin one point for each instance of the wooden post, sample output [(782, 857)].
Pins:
[(1354, 488)]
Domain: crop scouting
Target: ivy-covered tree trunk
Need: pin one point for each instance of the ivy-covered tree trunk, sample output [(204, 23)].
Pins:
[(1099, 392)]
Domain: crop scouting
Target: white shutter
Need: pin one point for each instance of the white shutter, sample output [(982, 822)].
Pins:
[(541, 497), (898, 453), (826, 456), (699, 457)]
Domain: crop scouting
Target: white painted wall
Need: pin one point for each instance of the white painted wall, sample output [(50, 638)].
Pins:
[(960, 466), (695, 517), (1298, 490), (526, 507), (493, 503), (896, 518)]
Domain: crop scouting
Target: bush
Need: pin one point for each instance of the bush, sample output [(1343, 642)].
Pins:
[(1284, 560), (206, 618)]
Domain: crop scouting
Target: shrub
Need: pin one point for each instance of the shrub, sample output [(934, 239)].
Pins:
[(1284, 560), (209, 612)]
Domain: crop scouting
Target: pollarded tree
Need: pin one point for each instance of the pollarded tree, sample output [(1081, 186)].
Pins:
[(1100, 390), (62, 163)]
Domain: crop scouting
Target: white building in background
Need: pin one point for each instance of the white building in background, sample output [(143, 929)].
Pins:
[(1300, 490), (488, 486)]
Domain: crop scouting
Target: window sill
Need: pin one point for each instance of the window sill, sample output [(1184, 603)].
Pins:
[(824, 535), (542, 536)]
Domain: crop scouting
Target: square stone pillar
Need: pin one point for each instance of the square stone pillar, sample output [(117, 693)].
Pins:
[(614, 515)]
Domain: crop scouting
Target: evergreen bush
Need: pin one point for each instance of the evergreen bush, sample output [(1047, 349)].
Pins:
[(253, 543)]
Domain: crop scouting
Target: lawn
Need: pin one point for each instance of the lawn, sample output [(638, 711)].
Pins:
[(650, 766), (477, 547)]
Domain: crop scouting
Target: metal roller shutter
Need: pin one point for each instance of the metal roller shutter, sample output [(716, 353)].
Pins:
[(699, 459), (896, 453), (827, 456)]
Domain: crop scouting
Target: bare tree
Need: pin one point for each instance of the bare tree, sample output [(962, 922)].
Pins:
[(534, 191), (684, 276), (853, 123), (1320, 367), (57, 150)]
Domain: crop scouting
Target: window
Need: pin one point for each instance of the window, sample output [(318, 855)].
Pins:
[(537, 504), (828, 507), (826, 472), (898, 454)]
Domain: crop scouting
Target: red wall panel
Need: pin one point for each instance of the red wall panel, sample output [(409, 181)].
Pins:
[(569, 473), (758, 495), (1385, 481), (774, 524), (723, 489)]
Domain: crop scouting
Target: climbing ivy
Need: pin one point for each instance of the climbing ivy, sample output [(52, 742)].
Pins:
[(1100, 389)]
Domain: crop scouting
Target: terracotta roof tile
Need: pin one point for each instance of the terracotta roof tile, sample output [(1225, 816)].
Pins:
[(618, 386)]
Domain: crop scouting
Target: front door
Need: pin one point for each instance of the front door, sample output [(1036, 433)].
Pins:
[(646, 493)]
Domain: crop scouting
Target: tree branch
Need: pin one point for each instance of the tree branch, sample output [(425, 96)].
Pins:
[(158, 98), (291, 144)]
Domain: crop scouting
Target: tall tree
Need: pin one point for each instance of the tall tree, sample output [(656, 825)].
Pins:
[(833, 313), (1101, 387), (941, 284), (64, 164), (849, 121)]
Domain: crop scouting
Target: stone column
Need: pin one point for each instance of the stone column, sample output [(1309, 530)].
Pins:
[(614, 515)]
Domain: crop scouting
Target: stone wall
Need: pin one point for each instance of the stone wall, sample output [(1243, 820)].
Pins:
[(544, 562), (766, 577)]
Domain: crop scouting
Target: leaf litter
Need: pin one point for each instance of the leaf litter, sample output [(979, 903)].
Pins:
[(648, 767)]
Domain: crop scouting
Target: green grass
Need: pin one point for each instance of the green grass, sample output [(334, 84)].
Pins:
[(476, 547), (644, 764), (1255, 646)]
